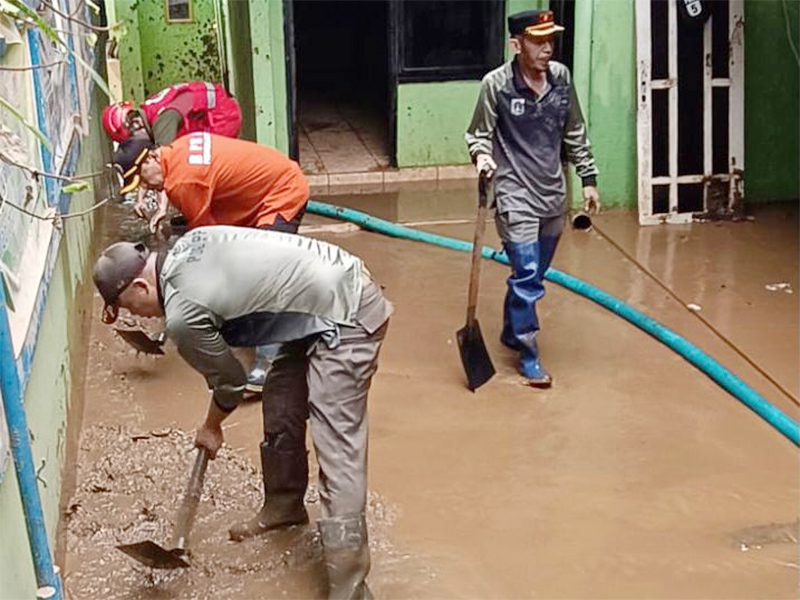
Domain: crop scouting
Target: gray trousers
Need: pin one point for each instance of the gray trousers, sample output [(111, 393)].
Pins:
[(522, 228), (329, 386), (338, 383)]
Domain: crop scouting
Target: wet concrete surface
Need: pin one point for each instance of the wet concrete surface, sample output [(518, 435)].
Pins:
[(634, 476)]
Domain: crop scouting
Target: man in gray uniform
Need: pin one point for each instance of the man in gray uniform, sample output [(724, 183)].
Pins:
[(527, 115), (228, 286)]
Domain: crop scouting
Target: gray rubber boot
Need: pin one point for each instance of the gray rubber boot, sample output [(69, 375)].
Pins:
[(285, 479), (344, 541)]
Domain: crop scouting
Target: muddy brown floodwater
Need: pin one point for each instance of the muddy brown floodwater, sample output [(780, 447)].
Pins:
[(635, 476)]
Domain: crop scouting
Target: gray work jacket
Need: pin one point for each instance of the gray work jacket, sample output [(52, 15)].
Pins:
[(526, 135), (233, 286)]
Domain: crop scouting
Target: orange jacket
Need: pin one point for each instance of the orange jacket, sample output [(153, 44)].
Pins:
[(216, 180)]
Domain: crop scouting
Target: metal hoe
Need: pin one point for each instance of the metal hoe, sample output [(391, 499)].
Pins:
[(151, 554), (477, 362)]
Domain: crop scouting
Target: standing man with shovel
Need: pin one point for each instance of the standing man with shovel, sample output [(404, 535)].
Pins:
[(229, 286), (526, 116)]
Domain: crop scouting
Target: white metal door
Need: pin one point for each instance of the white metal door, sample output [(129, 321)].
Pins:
[(690, 117)]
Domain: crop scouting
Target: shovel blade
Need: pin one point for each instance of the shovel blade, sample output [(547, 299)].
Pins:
[(140, 341), (152, 555), (477, 362)]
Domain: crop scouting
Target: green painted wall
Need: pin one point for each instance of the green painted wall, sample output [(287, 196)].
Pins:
[(59, 351), (772, 109), (175, 52), (130, 50), (269, 73), (605, 78), (241, 65), (431, 120), (432, 117), (604, 74)]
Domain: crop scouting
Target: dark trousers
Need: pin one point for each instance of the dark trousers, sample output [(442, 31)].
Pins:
[(284, 400), (285, 226), (285, 397)]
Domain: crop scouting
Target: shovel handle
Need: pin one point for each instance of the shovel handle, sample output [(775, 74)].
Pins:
[(188, 508), (477, 247)]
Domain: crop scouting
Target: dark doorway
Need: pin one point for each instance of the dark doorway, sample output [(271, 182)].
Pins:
[(341, 66), (564, 15)]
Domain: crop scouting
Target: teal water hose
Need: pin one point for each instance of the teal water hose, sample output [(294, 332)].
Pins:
[(725, 378)]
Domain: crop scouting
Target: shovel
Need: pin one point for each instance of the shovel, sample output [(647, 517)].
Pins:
[(477, 362), (151, 554), (141, 341)]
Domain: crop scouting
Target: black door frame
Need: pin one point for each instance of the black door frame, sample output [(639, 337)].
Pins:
[(291, 79), (564, 14), (393, 39)]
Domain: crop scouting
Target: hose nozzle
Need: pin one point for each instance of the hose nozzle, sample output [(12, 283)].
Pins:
[(582, 222)]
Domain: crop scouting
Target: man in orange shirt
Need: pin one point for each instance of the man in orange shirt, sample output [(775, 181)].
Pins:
[(216, 180)]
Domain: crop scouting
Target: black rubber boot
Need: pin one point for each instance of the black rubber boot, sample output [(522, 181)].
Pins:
[(285, 479), (344, 541)]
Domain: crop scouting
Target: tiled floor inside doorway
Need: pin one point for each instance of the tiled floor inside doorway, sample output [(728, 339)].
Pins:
[(341, 136)]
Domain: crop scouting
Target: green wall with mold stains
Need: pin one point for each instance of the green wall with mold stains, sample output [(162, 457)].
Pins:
[(176, 52), (129, 49)]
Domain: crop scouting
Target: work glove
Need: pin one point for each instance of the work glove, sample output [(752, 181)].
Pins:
[(485, 164)]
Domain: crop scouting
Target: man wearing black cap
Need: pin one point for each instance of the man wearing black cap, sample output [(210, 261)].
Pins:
[(218, 180), (527, 115), (230, 286)]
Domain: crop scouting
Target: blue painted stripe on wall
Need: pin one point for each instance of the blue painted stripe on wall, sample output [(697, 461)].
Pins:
[(41, 111), (55, 197)]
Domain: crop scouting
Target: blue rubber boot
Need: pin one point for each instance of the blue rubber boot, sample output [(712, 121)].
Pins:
[(547, 251), (521, 325), (507, 335), (531, 368)]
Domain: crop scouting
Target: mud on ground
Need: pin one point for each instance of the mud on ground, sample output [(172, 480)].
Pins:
[(131, 485)]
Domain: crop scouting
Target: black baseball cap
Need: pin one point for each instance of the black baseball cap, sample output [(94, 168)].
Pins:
[(129, 157), (533, 22), (117, 267)]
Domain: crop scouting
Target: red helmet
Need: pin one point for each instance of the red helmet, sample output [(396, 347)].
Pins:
[(115, 120)]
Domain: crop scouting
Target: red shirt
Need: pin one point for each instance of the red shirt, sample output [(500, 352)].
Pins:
[(216, 180)]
